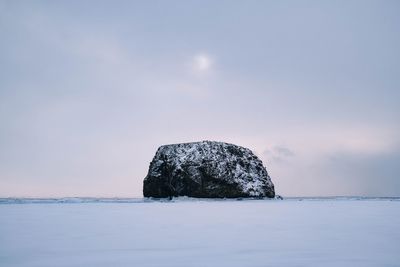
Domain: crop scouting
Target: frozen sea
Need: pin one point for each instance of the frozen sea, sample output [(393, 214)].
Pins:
[(187, 232)]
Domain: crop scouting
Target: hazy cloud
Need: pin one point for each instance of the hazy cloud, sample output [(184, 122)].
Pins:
[(278, 154), (366, 174)]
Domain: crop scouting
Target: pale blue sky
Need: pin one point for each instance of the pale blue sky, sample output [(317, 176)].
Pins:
[(90, 89)]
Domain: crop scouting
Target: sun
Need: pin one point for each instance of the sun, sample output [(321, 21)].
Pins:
[(202, 62)]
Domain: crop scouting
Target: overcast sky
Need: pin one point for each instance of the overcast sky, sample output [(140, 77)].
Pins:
[(90, 89)]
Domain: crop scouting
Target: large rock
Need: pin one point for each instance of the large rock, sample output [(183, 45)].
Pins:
[(206, 169)]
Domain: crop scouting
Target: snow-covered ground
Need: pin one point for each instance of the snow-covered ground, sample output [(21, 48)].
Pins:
[(293, 232)]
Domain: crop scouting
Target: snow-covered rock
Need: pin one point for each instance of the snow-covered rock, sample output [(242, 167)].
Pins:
[(207, 169)]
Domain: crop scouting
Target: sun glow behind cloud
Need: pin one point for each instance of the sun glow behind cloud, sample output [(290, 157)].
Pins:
[(202, 62)]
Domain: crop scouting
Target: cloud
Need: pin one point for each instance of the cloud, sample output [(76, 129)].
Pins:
[(283, 151), (77, 77), (278, 154), (360, 173)]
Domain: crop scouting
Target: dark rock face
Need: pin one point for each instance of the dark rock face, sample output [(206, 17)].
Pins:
[(207, 169)]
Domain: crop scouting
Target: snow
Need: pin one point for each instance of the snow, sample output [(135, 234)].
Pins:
[(188, 232)]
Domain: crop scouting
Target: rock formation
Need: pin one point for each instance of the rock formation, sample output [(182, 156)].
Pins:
[(206, 169)]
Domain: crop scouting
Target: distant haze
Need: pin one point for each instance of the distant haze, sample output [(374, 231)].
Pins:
[(90, 89)]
